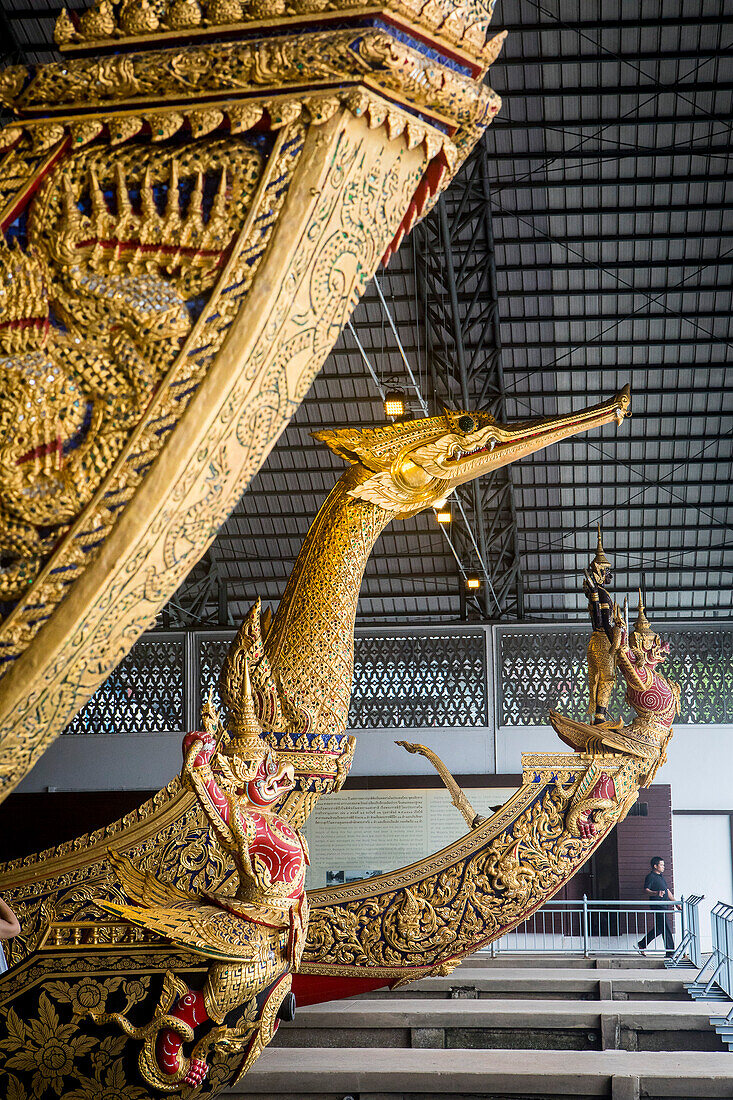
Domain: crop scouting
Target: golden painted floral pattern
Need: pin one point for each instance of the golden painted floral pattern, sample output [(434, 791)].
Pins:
[(44, 1047)]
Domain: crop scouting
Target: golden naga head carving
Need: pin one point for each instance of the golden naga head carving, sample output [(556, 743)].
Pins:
[(411, 465)]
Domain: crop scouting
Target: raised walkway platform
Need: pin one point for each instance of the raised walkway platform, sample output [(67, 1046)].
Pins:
[(513, 1024), (531, 961), (364, 1074), (520, 982), (505, 1030)]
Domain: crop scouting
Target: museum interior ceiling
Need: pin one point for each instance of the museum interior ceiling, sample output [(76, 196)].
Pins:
[(587, 244)]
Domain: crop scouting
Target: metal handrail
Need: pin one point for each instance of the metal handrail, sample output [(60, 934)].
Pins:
[(689, 946), (722, 922), (715, 978), (588, 927)]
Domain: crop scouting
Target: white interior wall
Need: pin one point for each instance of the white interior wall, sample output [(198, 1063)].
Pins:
[(703, 863), (129, 762)]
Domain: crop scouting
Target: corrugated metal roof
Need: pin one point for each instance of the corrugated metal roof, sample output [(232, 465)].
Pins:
[(611, 204)]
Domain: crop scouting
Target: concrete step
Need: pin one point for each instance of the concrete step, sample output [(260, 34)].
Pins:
[(486, 983), (334, 1074), (566, 962), (505, 1024)]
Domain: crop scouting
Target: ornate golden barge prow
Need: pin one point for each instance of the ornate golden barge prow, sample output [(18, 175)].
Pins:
[(163, 871), (192, 202)]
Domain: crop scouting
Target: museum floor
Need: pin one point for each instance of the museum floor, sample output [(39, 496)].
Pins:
[(500, 1028)]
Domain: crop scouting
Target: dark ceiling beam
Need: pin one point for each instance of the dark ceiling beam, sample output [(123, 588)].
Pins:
[(499, 213), (545, 578), (618, 291), (619, 265), (522, 156), (685, 611), (603, 391), (619, 565), (671, 504), (527, 465), (504, 121), (593, 236), (545, 183), (595, 92), (632, 342), (558, 25), (507, 61), (566, 318), (669, 528)]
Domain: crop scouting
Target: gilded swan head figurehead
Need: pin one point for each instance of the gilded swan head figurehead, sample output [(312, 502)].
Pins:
[(414, 464)]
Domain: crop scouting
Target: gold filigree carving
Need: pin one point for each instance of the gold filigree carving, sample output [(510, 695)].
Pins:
[(442, 909), (173, 831), (466, 26), (369, 56), (335, 304)]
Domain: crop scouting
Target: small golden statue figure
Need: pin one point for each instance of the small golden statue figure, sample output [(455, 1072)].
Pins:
[(601, 658), (655, 699)]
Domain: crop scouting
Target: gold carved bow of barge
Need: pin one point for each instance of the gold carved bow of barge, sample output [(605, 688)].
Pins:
[(163, 866), (192, 201)]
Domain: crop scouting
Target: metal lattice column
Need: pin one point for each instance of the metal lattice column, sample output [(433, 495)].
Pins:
[(459, 304)]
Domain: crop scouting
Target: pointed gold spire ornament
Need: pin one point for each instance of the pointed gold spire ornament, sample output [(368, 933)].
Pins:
[(642, 632), (246, 748), (642, 623), (245, 730), (600, 561)]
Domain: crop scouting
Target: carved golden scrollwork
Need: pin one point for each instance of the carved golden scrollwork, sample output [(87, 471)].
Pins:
[(433, 913), (187, 519), (100, 147)]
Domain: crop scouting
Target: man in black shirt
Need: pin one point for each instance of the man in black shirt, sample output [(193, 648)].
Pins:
[(656, 889)]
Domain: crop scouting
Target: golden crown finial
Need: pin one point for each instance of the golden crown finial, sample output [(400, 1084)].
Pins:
[(245, 725), (245, 731), (642, 634), (642, 624), (600, 561)]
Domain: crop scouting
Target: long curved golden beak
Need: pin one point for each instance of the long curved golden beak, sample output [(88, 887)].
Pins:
[(533, 435)]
